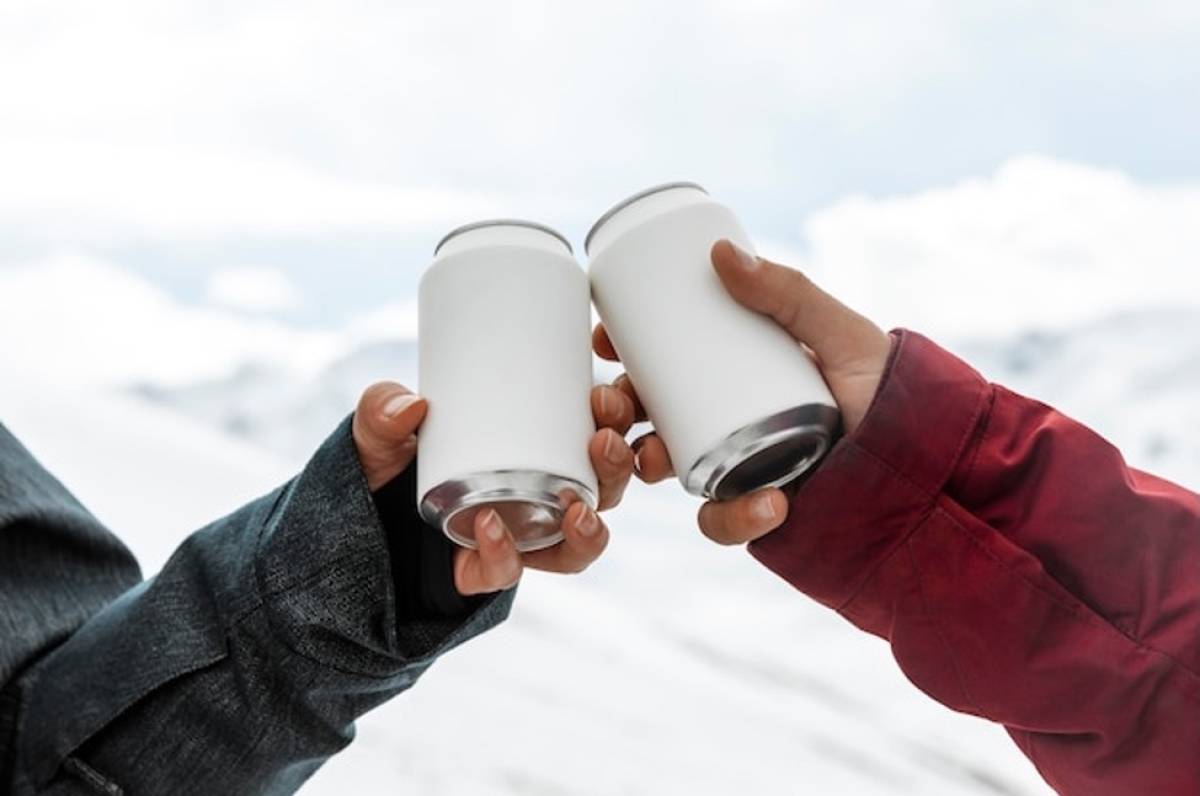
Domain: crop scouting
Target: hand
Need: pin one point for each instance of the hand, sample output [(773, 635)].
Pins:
[(385, 433), (850, 350)]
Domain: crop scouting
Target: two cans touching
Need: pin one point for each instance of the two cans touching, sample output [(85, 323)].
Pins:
[(505, 364)]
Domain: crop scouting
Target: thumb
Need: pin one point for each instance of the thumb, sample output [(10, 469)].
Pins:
[(837, 334), (384, 429)]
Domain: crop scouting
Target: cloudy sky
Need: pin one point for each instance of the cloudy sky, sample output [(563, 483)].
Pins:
[(257, 178)]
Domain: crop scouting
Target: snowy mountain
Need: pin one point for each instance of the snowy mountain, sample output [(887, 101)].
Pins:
[(284, 410)]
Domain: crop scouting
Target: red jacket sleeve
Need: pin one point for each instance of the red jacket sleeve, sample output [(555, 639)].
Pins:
[(1020, 570)]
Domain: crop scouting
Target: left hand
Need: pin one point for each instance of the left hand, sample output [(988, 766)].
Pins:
[(385, 433)]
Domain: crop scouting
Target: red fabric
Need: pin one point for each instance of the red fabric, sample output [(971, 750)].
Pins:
[(1020, 570)]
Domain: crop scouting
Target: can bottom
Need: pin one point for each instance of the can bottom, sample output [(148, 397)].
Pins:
[(531, 503), (767, 453)]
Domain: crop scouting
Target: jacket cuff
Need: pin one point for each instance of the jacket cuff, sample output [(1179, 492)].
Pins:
[(879, 482), (421, 555), (326, 574)]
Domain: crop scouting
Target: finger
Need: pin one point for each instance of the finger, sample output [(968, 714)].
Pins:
[(494, 565), (623, 384), (612, 408), (584, 539), (612, 459), (745, 518), (384, 430), (651, 461), (602, 345), (838, 334)]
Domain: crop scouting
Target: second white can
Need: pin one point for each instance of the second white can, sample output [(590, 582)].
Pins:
[(736, 400)]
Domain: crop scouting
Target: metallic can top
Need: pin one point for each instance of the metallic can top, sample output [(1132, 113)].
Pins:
[(637, 197), (501, 222), (532, 504)]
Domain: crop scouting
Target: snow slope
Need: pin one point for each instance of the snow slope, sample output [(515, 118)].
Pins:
[(283, 409)]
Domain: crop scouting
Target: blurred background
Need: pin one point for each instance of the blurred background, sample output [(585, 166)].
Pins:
[(213, 217)]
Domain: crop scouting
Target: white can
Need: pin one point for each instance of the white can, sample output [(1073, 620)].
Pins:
[(505, 364), (736, 400)]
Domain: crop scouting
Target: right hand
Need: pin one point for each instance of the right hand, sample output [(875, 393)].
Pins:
[(850, 350)]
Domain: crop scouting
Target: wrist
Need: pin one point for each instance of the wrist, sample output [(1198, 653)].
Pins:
[(422, 558), (880, 480)]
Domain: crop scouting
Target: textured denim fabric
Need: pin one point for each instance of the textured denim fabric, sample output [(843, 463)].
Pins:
[(238, 669)]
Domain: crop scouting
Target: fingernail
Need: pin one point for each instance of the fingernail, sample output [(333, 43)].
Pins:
[(763, 508), (612, 451), (589, 523), (398, 403), (637, 459), (745, 259), (605, 401), (492, 528)]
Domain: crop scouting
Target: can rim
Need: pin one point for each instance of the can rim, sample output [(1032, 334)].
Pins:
[(817, 422), (637, 197), (502, 222), (440, 503)]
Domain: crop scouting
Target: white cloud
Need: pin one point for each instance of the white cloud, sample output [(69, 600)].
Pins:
[(72, 189), (78, 320), (1040, 242), (391, 321), (253, 288)]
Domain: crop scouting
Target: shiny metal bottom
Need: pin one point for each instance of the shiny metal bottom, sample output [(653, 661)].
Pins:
[(770, 452), (530, 502)]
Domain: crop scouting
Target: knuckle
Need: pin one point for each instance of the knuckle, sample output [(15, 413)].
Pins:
[(789, 276), (502, 580), (712, 535), (466, 585), (618, 443), (716, 526), (510, 572), (786, 308), (626, 404), (656, 472)]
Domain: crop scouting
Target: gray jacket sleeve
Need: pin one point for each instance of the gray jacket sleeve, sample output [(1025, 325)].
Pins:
[(241, 667)]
